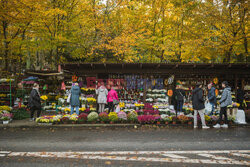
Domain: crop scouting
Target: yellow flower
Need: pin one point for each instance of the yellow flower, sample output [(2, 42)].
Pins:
[(67, 109), (44, 97), (82, 109)]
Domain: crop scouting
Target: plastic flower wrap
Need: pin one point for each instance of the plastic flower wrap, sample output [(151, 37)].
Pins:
[(93, 116), (44, 97), (113, 116), (122, 115), (103, 117)]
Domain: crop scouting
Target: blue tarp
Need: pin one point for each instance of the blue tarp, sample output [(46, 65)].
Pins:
[(31, 78)]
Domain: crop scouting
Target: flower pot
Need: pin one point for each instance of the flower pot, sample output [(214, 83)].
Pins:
[(174, 123), (6, 122), (158, 122)]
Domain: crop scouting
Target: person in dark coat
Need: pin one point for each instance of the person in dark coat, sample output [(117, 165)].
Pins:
[(74, 99), (211, 96), (240, 97), (35, 102), (198, 105), (179, 97)]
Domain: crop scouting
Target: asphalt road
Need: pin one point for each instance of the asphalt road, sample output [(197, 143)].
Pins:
[(154, 146)]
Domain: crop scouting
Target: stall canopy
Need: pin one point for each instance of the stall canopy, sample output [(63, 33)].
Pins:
[(158, 68)]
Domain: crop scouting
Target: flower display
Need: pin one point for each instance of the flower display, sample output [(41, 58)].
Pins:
[(113, 117), (132, 116), (82, 117), (122, 105), (103, 116), (82, 109), (92, 117), (6, 116), (122, 115), (150, 112), (5, 108), (207, 118), (91, 100), (67, 110), (73, 117), (183, 118), (44, 97), (146, 119)]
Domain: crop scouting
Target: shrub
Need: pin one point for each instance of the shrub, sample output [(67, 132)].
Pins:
[(103, 117), (82, 117), (93, 116), (133, 116), (113, 117), (146, 118), (122, 116)]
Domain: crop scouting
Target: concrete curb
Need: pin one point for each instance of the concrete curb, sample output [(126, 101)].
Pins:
[(109, 126)]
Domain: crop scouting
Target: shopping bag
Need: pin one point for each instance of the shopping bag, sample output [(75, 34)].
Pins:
[(68, 99)]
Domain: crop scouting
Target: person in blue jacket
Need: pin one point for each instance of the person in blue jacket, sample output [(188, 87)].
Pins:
[(211, 97), (226, 100), (74, 99)]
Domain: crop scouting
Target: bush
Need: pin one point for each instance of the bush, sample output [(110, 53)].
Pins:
[(122, 116), (146, 118), (103, 117), (93, 116), (82, 117), (113, 117), (133, 116)]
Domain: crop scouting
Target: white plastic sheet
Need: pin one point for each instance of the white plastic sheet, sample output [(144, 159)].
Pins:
[(240, 117)]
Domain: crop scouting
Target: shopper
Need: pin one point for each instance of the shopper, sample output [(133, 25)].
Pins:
[(102, 93), (74, 98), (240, 97), (179, 97), (226, 100), (211, 97), (198, 105), (34, 102), (112, 99)]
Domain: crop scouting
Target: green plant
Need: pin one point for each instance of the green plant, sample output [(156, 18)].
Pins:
[(132, 116), (103, 117)]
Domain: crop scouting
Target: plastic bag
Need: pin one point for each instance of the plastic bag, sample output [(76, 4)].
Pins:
[(68, 99), (117, 109), (208, 108)]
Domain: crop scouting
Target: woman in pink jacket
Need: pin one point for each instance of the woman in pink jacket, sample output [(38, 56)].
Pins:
[(112, 95)]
